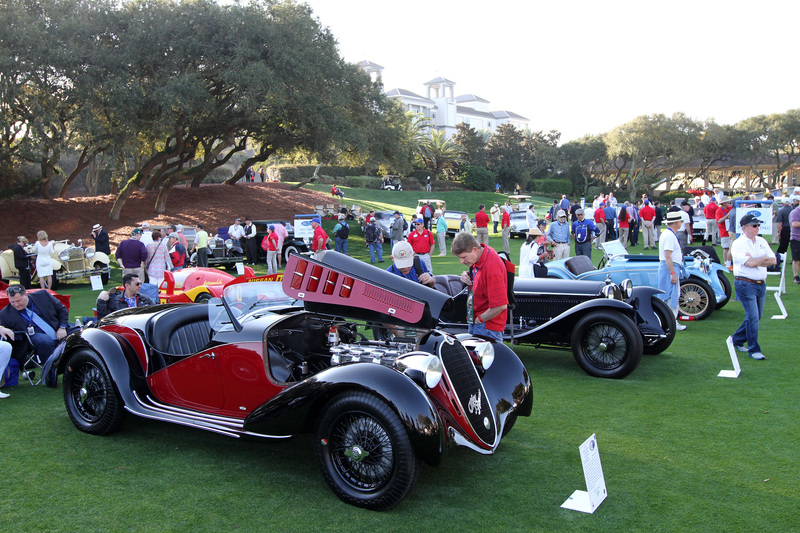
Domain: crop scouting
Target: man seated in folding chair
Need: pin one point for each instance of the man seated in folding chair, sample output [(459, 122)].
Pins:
[(39, 316)]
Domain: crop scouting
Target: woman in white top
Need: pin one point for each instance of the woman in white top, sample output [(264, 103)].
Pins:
[(157, 259), (43, 248), (528, 254)]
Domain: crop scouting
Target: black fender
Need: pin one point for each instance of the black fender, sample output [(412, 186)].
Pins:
[(563, 323), (507, 383), (122, 364), (646, 318), (295, 409)]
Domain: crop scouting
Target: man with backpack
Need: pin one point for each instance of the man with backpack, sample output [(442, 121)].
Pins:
[(373, 234), (341, 232)]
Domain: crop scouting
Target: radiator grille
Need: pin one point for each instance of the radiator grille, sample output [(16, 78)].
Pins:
[(469, 390)]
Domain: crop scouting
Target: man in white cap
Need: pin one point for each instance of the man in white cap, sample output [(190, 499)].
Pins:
[(751, 256), (405, 264), (795, 194), (670, 264), (147, 235), (559, 233), (421, 241), (723, 215)]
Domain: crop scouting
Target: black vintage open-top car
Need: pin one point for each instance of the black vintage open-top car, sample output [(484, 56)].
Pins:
[(607, 326), (257, 364)]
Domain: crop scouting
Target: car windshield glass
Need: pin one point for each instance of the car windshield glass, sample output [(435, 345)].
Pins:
[(613, 248), (243, 299)]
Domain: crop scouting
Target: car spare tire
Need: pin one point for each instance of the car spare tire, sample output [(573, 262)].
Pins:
[(606, 344)]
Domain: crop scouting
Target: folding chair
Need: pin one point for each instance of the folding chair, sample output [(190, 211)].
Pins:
[(27, 353)]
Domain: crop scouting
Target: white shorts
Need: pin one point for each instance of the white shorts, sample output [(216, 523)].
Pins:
[(725, 242)]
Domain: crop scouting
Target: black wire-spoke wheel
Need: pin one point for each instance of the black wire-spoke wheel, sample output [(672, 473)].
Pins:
[(607, 344), (91, 400), (364, 452), (696, 299)]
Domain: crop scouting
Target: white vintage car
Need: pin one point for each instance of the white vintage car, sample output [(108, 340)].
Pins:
[(70, 262)]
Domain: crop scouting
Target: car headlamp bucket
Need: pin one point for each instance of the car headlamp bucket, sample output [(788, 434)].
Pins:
[(63, 255), (483, 349), (612, 292), (627, 288), (423, 368), (229, 243), (212, 243), (88, 253)]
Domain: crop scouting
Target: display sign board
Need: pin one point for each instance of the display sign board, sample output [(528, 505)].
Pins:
[(302, 226), (590, 499), (762, 209)]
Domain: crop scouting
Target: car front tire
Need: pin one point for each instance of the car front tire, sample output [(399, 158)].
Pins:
[(696, 299), (364, 452), (91, 400), (668, 322), (606, 344)]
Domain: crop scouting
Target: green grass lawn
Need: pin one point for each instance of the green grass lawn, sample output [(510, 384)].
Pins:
[(682, 450)]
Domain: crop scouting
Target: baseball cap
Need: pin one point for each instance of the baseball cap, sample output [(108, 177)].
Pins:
[(179, 227), (173, 235), (578, 212), (397, 212), (315, 219), (685, 202), (560, 213), (238, 220), (137, 231), (145, 224), (713, 199), (542, 222), (419, 221), (750, 219), (272, 226), (403, 254)]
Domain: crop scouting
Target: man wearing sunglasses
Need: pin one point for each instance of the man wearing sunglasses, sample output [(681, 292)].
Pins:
[(114, 300), (40, 314), (751, 256)]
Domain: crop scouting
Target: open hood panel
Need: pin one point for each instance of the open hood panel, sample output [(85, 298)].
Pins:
[(340, 285)]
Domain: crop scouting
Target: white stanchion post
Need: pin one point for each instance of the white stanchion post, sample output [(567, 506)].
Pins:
[(734, 359)]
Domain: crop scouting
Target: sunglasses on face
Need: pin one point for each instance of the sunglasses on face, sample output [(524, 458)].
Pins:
[(16, 289), (137, 284)]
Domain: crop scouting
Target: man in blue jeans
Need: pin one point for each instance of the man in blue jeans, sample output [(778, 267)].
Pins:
[(751, 256)]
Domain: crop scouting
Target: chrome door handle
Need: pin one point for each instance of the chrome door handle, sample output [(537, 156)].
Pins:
[(209, 356)]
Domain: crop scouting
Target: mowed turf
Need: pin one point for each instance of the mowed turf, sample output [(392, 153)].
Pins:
[(682, 450)]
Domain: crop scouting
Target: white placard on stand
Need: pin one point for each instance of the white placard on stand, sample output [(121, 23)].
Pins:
[(590, 499), (734, 359), (97, 283), (240, 269)]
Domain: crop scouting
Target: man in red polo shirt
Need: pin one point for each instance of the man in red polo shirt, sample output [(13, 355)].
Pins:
[(482, 225), (421, 241), (320, 242), (600, 222), (506, 231), (712, 230), (648, 216), (488, 276)]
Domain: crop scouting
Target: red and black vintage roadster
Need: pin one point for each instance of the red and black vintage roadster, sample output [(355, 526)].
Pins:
[(275, 359)]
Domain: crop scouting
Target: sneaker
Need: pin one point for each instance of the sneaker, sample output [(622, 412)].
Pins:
[(4, 395), (797, 279), (757, 355), (679, 326), (740, 348)]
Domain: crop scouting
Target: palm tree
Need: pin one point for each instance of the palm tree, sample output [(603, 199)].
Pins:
[(438, 153)]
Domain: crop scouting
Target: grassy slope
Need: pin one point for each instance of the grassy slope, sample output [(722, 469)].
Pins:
[(682, 450)]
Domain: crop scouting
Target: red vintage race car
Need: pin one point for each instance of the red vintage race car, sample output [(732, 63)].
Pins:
[(201, 284), (63, 298), (272, 360)]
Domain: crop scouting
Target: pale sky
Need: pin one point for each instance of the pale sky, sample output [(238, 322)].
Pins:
[(583, 66)]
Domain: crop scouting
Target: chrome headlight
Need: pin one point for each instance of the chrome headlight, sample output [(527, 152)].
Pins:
[(612, 292), (483, 349), (229, 244), (627, 288), (88, 253), (212, 243), (421, 367), (63, 255)]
